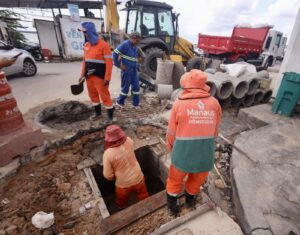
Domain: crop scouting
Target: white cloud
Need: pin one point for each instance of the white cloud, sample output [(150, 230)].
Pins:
[(218, 16)]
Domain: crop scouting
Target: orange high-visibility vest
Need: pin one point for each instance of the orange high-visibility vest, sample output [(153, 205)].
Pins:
[(100, 57)]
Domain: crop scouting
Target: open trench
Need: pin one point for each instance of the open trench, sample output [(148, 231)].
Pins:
[(58, 182)]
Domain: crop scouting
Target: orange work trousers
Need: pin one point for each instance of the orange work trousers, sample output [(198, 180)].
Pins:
[(123, 194), (98, 93), (192, 183)]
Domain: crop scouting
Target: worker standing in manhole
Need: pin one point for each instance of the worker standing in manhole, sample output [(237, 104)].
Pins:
[(192, 129), (119, 163), (97, 68), (125, 57)]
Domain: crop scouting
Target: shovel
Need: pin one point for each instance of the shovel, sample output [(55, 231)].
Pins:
[(78, 88)]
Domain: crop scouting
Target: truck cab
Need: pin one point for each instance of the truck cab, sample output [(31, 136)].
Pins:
[(275, 44)]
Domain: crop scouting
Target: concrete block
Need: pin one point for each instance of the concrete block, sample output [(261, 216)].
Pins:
[(10, 168), (166, 115), (19, 142), (261, 232)]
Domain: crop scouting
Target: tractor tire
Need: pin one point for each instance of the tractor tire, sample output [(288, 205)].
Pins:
[(149, 65), (195, 63)]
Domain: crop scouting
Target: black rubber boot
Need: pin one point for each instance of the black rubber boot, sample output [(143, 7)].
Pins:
[(97, 112), (110, 113), (190, 200), (173, 205)]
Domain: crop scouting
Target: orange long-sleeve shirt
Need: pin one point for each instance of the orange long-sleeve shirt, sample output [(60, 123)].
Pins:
[(120, 162)]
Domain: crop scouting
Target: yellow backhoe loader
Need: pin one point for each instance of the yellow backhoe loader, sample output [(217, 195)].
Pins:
[(158, 26)]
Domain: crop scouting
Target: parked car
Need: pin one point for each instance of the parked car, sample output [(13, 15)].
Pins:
[(24, 64), (34, 49)]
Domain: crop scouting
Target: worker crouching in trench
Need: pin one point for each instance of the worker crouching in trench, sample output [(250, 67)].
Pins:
[(119, 163), (192, 129), (97, 68)]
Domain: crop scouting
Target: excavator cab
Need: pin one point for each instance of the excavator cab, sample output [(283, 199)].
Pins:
[(156, 22), (153, 20)]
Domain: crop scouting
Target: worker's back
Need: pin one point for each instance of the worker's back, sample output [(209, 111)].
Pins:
[(121, 162)]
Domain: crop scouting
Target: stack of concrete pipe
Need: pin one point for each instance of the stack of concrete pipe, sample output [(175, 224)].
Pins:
[(229, 90), (168, 78), (238, 91)]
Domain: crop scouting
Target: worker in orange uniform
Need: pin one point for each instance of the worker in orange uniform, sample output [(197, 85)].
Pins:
[(97, 68), (192, 129), (119, 163)]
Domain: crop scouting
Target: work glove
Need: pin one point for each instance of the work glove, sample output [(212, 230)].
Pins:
[(106, 83)]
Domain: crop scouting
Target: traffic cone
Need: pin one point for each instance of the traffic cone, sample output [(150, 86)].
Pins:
[(16, 137)]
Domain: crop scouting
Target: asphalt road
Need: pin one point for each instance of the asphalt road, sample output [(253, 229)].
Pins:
[(52, 82)]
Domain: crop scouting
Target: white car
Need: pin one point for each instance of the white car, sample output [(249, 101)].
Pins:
[(24, 64)]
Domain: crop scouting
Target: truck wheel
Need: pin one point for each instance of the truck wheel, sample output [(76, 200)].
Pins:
[(149, 65), (195, 63), (240, 59), (268, 63)]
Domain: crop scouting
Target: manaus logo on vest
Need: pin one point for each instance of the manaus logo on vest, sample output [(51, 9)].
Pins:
[(200, 111)]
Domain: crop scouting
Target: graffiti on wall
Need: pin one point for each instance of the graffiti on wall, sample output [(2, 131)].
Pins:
[(76, 39)]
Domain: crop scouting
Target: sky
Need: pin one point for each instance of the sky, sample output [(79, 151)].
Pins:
[(218, 17)]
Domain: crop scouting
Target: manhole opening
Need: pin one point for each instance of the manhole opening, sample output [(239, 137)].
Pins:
[(154, 171)]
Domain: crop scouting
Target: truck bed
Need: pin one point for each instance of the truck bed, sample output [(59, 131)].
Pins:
[(243, 40)]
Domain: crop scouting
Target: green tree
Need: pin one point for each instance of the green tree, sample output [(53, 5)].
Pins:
[(12, 18)]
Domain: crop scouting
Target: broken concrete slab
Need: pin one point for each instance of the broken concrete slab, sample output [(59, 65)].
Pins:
[(206, 224), (19, 143), (266, 180), (260, 115)]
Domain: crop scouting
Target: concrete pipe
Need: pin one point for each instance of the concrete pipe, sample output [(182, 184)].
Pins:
[(240, 87), (210, 70), (258, 96), (248, 100), (164, 71), (176, 94), (225, 103), (178, 71), (253, 86), (263, 74), (164, 91), (236, 103), (267, 96), (213, 88), (253, 82), (224, 86)]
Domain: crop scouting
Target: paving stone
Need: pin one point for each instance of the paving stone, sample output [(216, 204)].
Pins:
[(265, 177)]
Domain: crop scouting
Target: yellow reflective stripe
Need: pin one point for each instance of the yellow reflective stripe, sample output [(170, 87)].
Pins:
[(128, 58), (125, 56), (135, 92), (122, 93), (117, 51), (107, 56)]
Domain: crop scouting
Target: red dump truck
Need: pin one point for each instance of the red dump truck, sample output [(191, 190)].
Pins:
[(245, 44)]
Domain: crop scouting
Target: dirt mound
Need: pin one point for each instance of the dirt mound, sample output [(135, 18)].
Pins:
[(65, 113)]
